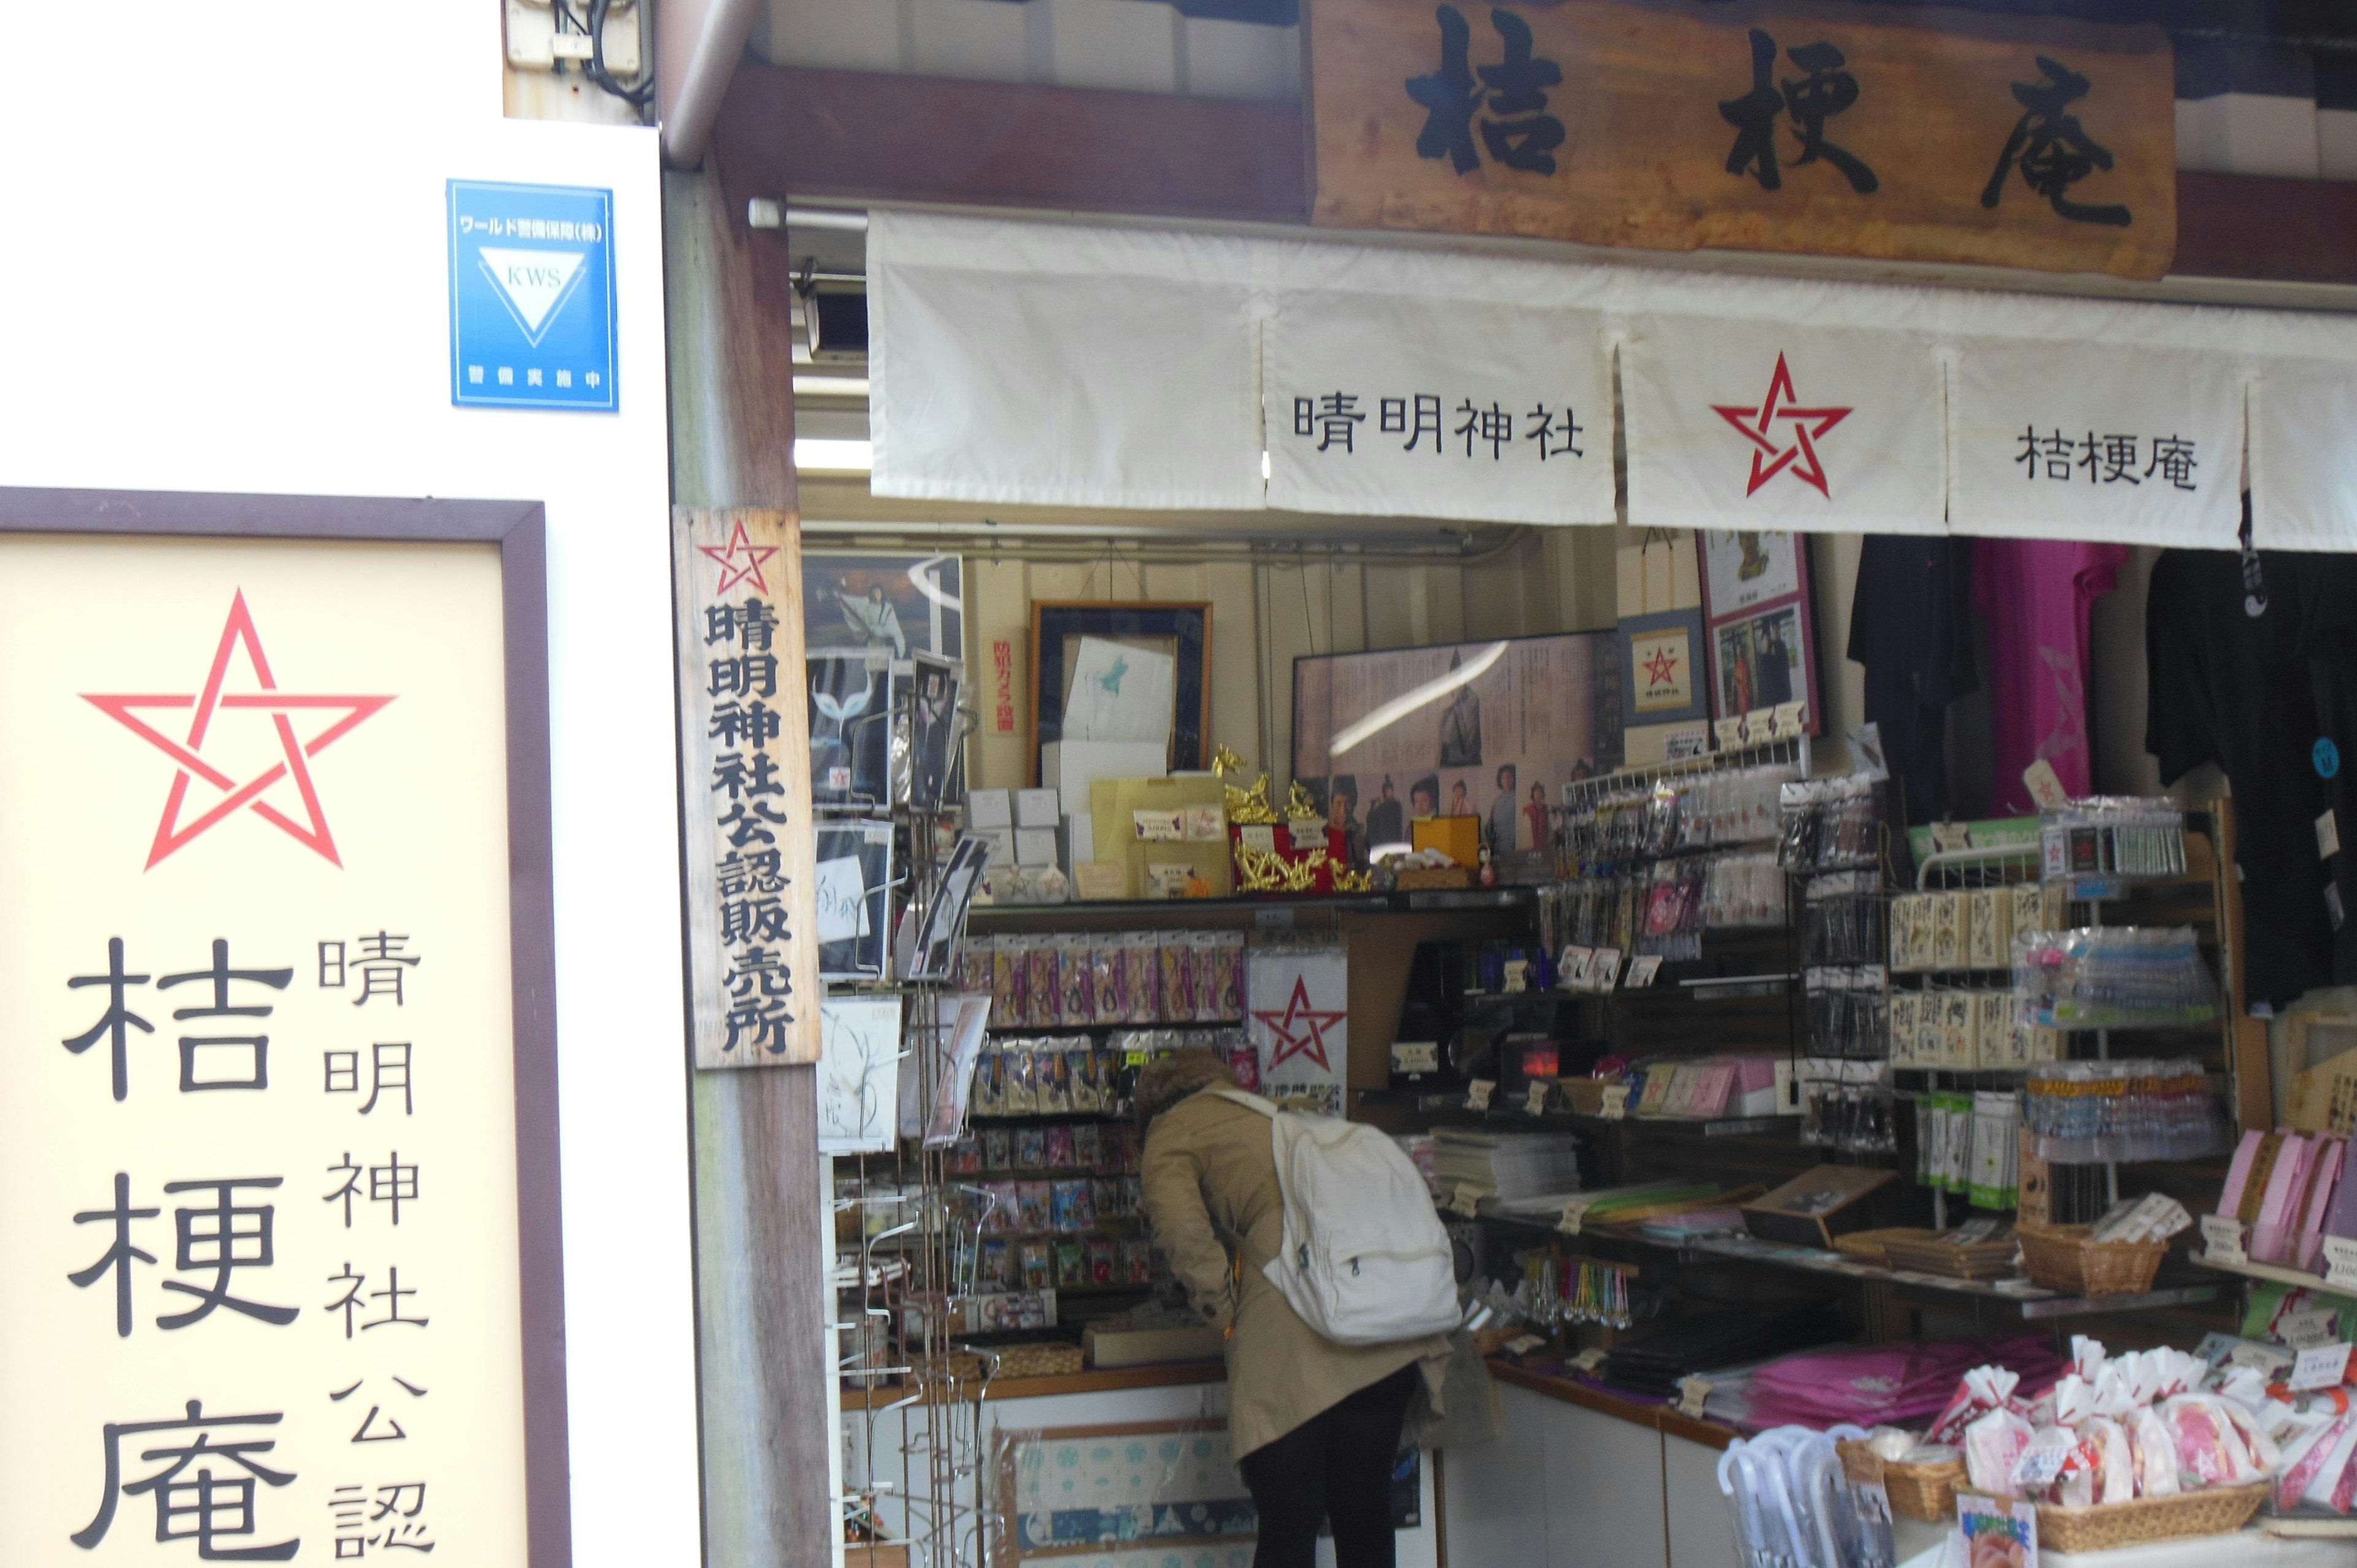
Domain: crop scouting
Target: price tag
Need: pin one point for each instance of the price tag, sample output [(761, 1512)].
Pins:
[(2221, 1239), (1616, 1101), (2268, 1360), (1466, 1200), (1588, 1360), (1571, 969), (2045, 785), (1789, 719), (2327, 837), (1642, 968), (2321, 1367), (1523, 1343), (2309, 1330), (1477, 1093), (1729, 733), (2341, 1263), (1693, 1394), (1604, 970), (1574, 1215), (2042, 1460), (1536, 1101)]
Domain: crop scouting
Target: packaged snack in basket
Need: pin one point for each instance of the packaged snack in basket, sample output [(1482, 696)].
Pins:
[(1072, 1264), (1075, 969), (1103, 1260), (1994, 1445), (1043, 982), (995, 1265), (1058, 1153), (1037, 1262), (1105, 978), (2209, 1444), (1178, 955), (1088, 1073), (1030, 1148), (964, 1156), (1076, 1206), (1088, 1144), (1054, 1070), (1136, 1262), (1034, 1208), (1980, 1390), (1019, 1079), (997, 1148), (1226, 990)]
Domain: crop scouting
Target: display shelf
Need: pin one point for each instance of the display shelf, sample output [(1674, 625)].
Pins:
[(986, 916), (2275, 1271), (2033, 1303)]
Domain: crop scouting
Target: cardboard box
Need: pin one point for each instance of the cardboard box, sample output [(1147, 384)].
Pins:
[(988, 809), (1037, 809), (1079, 838), (1113, 805), (1035, 846), (1459, 838), (1072, 767), (1816, 1206), (1146, 1347)]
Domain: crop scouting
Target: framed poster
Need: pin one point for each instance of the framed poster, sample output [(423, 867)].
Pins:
[(898, 603), (279, 1133), (1661, 669), (1492, 729), (1115, 671), (853, 883), (851, 703), (1760, 624)]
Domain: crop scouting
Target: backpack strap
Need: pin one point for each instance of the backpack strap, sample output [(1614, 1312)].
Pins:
[(1249, 1101)]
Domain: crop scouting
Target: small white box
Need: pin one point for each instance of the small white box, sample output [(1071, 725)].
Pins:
[(1037, 809), (1081, 836), (988, 809), (1002, 845), (1035, 846), (1071, 766)]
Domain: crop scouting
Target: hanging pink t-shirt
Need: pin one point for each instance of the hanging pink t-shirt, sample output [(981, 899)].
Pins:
[(2036, 595)]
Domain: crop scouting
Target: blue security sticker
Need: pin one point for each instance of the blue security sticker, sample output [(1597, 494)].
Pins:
[(2327, 757), (532, 296)]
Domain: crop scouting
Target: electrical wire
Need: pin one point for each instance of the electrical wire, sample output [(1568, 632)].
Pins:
[(595, 66)]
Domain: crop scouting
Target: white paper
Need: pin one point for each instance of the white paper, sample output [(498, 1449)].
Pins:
[(859, 1073), (842, 900), (1120, 692), (2319, 1367), (2341, 1263), (1477, 1093)]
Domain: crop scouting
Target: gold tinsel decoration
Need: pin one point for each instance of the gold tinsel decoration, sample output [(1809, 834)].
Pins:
[(1300, 806)]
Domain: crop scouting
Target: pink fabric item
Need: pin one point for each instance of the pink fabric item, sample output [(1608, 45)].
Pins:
[(2035, 594), (1890, 1385)]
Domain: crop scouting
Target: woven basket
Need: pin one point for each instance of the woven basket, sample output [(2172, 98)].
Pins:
[(2061, 1257), (1431, 879), (1927, 1492), (1039, 1360), (1867, 1246), (2218, 1512)]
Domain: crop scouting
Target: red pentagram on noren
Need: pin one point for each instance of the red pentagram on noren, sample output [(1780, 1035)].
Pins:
[(281, 706), (1808, 423), (1311, 1038), (740, 543)]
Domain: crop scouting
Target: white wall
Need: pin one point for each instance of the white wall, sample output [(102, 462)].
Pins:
[(224, 272)]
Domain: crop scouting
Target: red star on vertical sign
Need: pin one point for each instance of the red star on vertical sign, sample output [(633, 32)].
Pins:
[(1660, 669), (1300, 1029), (1758, 426), (731, 572), (281, 706)]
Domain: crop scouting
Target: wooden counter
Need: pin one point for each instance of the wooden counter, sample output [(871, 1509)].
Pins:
[(1089, 1380), (1661, 1418)]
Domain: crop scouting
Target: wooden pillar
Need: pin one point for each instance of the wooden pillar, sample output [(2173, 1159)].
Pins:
[(761, 1223)]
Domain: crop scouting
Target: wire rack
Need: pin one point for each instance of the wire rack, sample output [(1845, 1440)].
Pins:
[(913, 1442)]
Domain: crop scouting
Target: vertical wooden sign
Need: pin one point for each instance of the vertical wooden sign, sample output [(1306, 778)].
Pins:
[(752, 911)]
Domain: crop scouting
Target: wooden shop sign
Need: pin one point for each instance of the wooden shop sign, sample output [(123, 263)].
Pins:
[(1819, 128)]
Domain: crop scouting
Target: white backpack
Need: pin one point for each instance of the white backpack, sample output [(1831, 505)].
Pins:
[(1366, 1259)]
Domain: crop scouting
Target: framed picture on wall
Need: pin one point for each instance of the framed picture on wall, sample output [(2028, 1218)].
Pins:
[(899, 602), (1662, 674), (1122, 671), (1760, 624), (1493, 729)]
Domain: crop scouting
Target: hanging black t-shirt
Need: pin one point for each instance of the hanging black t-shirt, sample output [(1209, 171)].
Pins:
[(1911, 624), (2239, 689)]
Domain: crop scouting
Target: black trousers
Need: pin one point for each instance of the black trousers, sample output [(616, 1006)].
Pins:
[(1336, 1465)]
